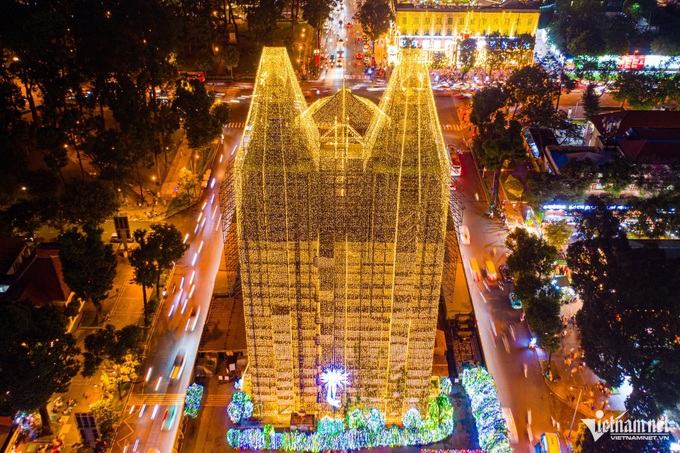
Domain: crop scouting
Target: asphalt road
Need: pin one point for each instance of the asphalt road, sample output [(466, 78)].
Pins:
[(148, 422)]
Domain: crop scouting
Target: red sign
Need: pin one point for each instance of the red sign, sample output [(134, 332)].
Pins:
[(631, 62)]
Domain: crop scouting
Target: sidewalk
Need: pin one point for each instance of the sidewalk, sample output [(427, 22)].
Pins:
[(573, 382)]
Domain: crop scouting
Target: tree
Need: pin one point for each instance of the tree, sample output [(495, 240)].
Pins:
[(110, 344), (88, 265), (122, 375), (532, 88), (543, 317), (188, 183), (575, 178), (156, 254), (467, 54), (106, 416), (23, 217), (590, 102), (142, 261), (194, 104), (485, 103), (497, 143), (629, 313), (38, 357), (641, 90), (90, 202), (617, 174), (375, 17), (230, 55), (557, 233), (262, 16), (531, 263)]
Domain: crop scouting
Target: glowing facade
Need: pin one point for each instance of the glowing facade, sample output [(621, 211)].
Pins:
[(341, 213)]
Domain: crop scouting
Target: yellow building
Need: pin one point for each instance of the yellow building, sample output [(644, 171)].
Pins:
[(341, 211), (442, 28)]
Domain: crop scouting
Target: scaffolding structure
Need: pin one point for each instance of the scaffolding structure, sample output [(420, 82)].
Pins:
[(341, 213)]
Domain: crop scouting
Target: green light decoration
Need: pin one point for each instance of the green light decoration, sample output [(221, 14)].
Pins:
[(240, 408), (486, 409), (412, 419), (360, 429), (192, 402)]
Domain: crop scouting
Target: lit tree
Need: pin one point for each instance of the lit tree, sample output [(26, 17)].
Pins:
[(557, 233), (467, 54)]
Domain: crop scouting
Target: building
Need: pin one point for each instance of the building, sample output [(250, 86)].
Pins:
[(341, 212), (439, 27), (34, 274), (643, 136)]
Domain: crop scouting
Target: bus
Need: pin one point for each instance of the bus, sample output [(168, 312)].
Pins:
[(549, 443), (194, 75)]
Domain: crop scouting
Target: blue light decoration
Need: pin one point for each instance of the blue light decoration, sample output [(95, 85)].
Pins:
[(192, 401), (360, 429), (334, 379), (240, 408), (486, 409), (445, 386)]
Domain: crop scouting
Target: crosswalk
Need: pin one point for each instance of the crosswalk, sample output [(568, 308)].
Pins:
[(236, 125), (453, 127), (162, 399), (217, 400)]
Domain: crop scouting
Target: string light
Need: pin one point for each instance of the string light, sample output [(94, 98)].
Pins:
[(192, 402), (341, 220), (486, 409), (360, 429)]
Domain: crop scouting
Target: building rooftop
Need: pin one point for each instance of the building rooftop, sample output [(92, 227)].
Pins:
[(40, 280), (465, 5), (557, 156), (617, 123), (10, 249)]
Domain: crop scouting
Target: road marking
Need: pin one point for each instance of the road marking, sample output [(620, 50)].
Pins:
[(164, 399), (217, 400)]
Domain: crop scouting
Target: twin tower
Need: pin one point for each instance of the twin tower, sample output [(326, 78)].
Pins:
[(341, 211)]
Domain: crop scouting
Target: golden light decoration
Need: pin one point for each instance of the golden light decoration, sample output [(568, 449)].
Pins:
[(341, 221)]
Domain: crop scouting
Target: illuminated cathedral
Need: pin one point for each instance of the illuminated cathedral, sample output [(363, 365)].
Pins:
[(341, 213)]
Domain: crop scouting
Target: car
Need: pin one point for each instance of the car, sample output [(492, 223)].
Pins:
[(115, 239), (514, 301), (490, 270), (349, 25), (177, 366), (366, 47), (367, 60), (461, 96), (464, 235), (504, 270), (341, 43), (359, 56), (358, 41), (193, 319), (338, 63), (169, 418)]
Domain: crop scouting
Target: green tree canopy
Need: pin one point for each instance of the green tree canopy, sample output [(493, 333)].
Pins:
[(375, 17), (90, 202), (88, 265), (195, 106), (629, 320), (38, 357)]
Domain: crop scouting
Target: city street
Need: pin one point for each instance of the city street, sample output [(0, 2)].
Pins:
[(153, 410)]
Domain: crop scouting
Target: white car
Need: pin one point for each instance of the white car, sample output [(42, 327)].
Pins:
[(464, 235), (193, 319), (169, 418)]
